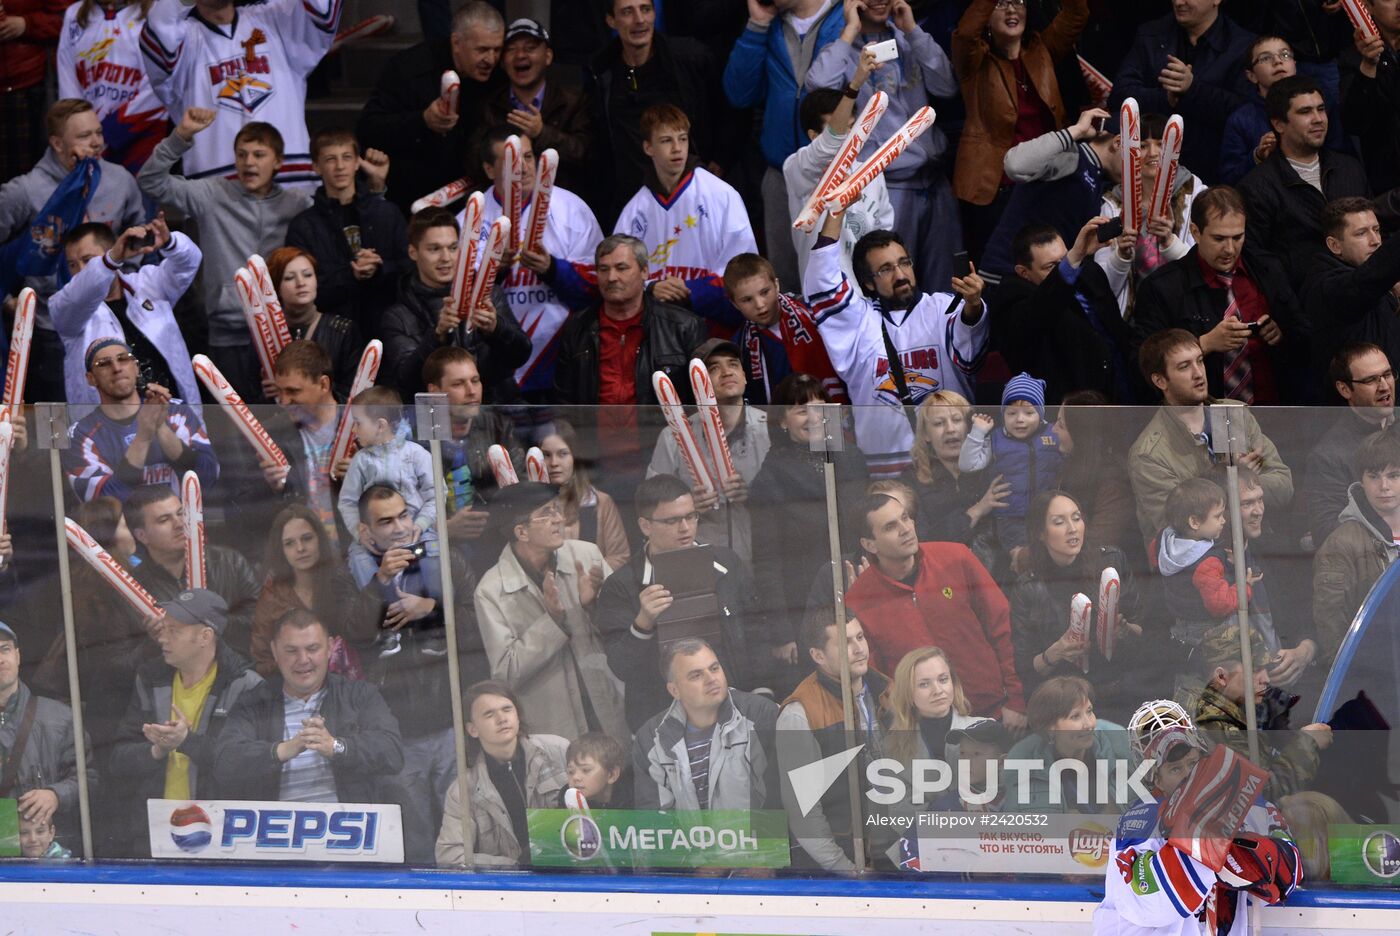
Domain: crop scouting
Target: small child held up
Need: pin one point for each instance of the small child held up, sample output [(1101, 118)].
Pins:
[(595, 765), (1025, 452), (1196, 566), (36, 839), (385, 457)]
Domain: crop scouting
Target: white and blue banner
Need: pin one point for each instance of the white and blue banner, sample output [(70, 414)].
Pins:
[(243, 830)]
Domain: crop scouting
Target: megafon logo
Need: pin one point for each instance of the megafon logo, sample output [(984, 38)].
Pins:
[(1118, 781), (190, 828)]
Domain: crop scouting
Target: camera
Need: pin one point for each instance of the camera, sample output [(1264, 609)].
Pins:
[(143, 379)]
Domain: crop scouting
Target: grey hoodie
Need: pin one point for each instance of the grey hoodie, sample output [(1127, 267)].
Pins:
[(117, 202), (233, 225)]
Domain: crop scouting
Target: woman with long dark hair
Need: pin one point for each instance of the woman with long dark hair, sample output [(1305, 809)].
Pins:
[(1094, 470), (293, 271), (304, 571), (590, 515)]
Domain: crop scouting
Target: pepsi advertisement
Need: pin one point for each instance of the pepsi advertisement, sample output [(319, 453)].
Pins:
[(240, 830)]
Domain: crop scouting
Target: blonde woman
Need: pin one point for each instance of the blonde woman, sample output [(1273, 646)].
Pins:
[(926, 702), (952, 503)]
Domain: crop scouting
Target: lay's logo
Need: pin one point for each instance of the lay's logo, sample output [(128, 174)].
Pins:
[(1089, 845)]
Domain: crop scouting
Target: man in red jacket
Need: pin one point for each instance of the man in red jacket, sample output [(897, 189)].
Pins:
[(935, 594), (29, 31)]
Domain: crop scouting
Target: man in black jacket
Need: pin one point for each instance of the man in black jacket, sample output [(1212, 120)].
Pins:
[(1371, 99), (1350, 293), (421, 322), (156, 520), (631, 601), (1058, 317), (637, 69), (402, 117), (1288, 191), (165, 745), (359, 240), (642, 334), (307, 734), (1236, 301)]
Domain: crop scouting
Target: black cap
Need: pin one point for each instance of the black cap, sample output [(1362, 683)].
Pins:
[(515, 502), (717, 346), (198, 606), (8, 633), (986, 730), (527, 27)]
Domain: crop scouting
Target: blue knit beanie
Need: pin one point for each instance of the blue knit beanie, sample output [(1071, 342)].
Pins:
[(1025, 387)]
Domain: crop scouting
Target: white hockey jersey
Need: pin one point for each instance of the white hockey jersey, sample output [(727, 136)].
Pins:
[(253, 69), (101, 63), (1153, 889), (571, 233), (938, 350), (694, 232)]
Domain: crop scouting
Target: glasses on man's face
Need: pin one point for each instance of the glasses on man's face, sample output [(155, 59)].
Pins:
[(111, 362), (692, 517), (903, 264), (548, 514), (1273, 58), (1009, 5), (1371, 381)]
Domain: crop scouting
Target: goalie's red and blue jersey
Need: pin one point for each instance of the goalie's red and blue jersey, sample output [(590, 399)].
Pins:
[(96, 466), (1152, 888), (253, 69), (101, 63), (938, 351)]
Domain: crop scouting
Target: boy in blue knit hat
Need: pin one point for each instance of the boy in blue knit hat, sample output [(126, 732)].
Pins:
[(1025, 452)]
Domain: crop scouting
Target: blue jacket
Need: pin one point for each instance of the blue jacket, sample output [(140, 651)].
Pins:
[(1066, 204), (1030, 466), (761, 70)]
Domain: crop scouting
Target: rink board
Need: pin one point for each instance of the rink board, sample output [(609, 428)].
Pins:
[(153, 899)]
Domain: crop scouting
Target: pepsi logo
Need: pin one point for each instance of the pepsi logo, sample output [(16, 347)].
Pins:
[(190, 828)]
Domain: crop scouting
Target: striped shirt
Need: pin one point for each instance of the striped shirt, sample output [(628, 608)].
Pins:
[(306, 778), (697, 748)]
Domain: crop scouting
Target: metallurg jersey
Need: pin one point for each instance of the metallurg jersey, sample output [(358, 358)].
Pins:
[(692, 233)]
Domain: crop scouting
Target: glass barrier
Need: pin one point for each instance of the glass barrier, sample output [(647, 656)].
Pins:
[(855, 641)]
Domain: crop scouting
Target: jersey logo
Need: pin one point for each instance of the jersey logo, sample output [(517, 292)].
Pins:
[(919, 385), (1125, 864), (241, 90), (98, 52), (662, 253)]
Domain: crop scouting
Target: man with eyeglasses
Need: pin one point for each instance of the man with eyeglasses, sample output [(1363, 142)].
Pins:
[(631, 600), (137, 435), (1362, 375), (1352, 290), (1187, 63), (892, 344), (536, 607), (1249, 139)]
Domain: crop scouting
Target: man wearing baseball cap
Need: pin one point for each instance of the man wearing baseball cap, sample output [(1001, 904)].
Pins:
[(554, 114), (166, 741), (724, 516), (137, 435), (38, 761)]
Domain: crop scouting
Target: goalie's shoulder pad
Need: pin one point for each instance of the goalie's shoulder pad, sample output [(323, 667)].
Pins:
[(1138, 824)]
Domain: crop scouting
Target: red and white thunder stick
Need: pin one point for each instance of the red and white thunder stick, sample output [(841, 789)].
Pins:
[(243, 417), (1130, 128), (192, 499), (485, 278), (545, 170), (271, 305), (1360, 17), (1100, 87), (344, 445), (842, 162), (534, 466), (1108, 611), (7, 441), (710, 419), (848, 191), (250, 298), (1081, 610), (448, 90), (501, 466), (684, 435), (21, 340), (442, 197), (513, 188), (465, 271), (1166, 168), (111, 570)]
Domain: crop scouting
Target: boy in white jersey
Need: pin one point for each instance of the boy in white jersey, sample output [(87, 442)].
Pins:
[(692, 222), (248, 61), (99, 60), (571, 233), (940, 338)]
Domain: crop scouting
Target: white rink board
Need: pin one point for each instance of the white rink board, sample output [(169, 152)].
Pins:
[(178, 910)]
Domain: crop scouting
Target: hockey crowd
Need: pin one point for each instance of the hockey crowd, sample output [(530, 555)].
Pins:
[(1122, 214)]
